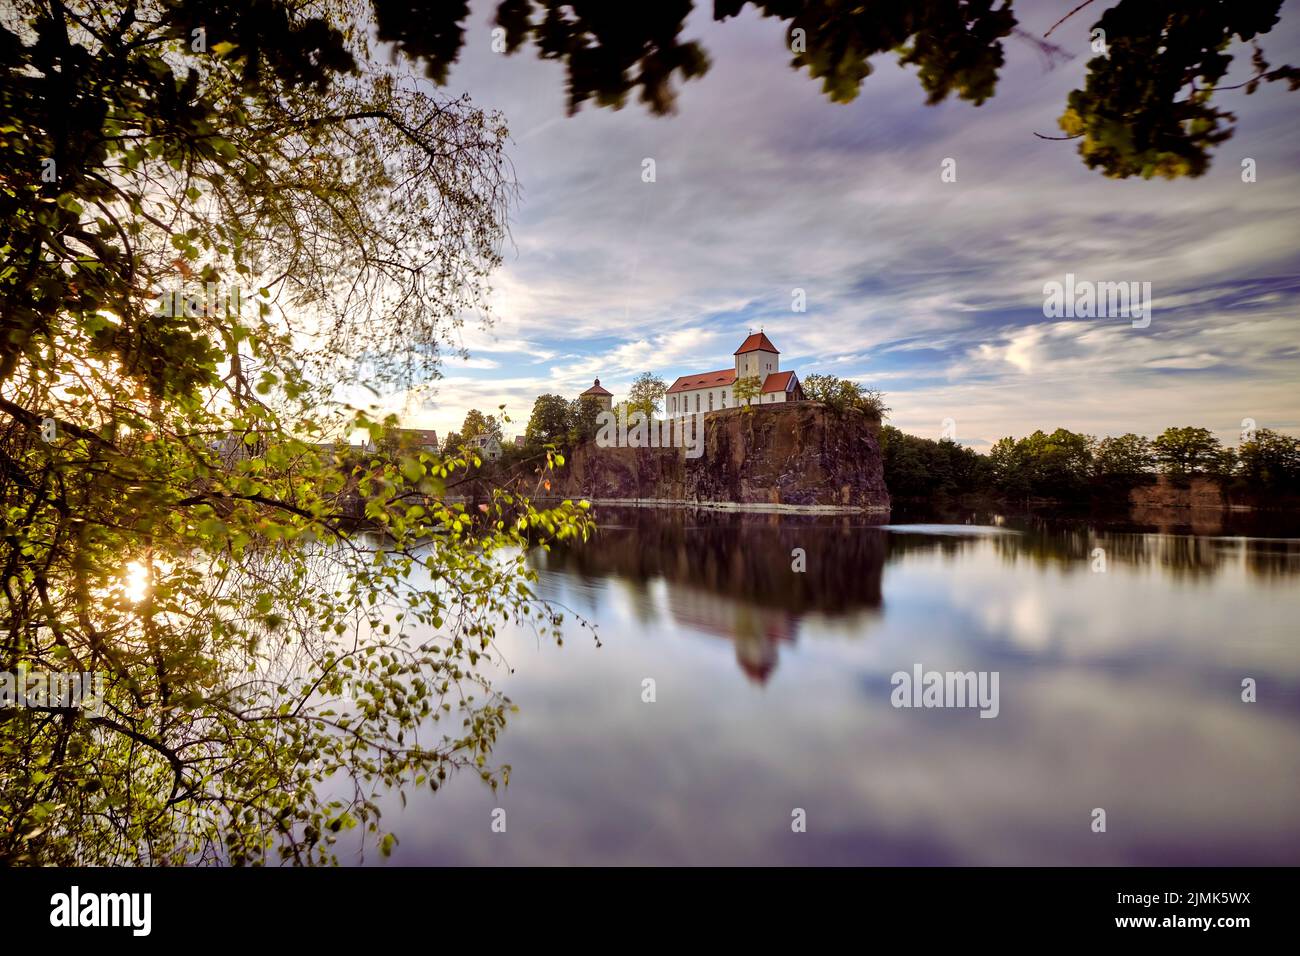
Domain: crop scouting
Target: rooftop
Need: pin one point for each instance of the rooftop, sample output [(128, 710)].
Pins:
[(686, 383), (757, 342)]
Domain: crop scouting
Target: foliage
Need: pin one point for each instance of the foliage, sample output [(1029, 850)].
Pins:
[(1123, 456), (646, 394), (583, 417), (1058, 465), (550, 421), (1186, 451), (747, 389), (841, 394), (476, 424), (921, 468), (1270, 463), (1145, 109), (172, 517), (1070, 466)]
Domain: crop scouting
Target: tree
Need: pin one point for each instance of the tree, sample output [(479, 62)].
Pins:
[(646, 393), (840, 394), (1145, 108), (258, 641), (584, 414), (476, 424), (919, 468), (747, 389), (1270, 462), (1124, 456), (1186, 451), (550, 421), (1007, 468)]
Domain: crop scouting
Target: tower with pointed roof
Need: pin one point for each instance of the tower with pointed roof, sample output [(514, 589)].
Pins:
[(602, 395), (756, 358)]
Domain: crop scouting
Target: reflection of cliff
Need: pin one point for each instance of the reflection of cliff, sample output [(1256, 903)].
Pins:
[(733, 574), (744, 556)]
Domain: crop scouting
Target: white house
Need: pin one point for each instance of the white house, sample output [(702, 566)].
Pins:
[(486, 445), (756, 358)]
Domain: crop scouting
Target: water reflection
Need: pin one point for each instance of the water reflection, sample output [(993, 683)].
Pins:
[(733, 575), (1119, 689), (752, 579)]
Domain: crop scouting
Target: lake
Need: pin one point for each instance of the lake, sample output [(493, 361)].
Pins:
[(1120, 688)]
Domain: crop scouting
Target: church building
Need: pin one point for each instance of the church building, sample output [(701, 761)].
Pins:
[(756, 358)]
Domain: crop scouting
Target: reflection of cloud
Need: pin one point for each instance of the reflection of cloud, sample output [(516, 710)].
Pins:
[(1130, 703), (1024, 619)]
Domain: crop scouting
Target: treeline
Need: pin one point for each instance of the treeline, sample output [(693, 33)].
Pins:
[(1069, 465)]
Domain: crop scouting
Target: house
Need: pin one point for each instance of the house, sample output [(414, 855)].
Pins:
[(756, 358), (602, 395), (486, 445), (407, 440)]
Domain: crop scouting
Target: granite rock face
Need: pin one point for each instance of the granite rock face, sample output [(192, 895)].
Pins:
[(1187, 493), (797, 453)]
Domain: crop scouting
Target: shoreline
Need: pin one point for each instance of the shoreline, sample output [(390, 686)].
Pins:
[(733, 506)]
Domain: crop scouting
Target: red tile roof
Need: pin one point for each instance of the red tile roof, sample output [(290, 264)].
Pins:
[(724, 376), (777, 382), (597, 389), (757, 341), (420, 436)]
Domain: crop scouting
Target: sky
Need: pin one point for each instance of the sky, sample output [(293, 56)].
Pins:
[(930, 291)]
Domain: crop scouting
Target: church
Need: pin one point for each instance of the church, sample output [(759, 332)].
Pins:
[(756, 358)]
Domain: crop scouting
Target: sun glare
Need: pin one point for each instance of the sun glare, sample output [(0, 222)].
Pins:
[(137, 582)]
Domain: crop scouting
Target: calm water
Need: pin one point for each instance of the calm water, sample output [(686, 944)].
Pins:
[(1119, 690)]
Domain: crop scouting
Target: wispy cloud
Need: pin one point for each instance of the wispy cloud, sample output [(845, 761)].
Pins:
[(931, 290)]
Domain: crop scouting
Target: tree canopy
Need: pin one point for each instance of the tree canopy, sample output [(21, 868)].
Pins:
[(550, 421), (646, 394), (1147, 107), (840, 394), (1070, 466), (187, 274)]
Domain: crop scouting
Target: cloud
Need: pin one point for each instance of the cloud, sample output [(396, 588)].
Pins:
[(932, 288)]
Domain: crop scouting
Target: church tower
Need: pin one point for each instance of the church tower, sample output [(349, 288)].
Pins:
[(757, 357)]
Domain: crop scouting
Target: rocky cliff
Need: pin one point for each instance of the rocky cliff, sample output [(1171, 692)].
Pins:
[(1171, 493), (797, 454)]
